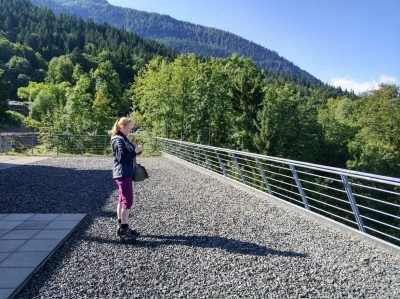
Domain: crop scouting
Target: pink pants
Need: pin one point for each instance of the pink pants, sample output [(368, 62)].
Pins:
[(125, 192)]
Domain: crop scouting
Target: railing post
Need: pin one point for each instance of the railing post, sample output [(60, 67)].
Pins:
[(264, 177), (172, 148), (105, 145), (55, 142), (299, 186), (238, 167), (177, 149), (208, 161), (180, 152), (166, 147), (196, 156), (155, 144), (353, 204), (81, 147), (188, 155), (32, 142), (184, 152), (220, 163)]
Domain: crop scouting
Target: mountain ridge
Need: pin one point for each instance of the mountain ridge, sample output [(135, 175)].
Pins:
[(182, 36)]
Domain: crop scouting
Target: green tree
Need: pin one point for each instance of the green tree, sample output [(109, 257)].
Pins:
[(288, 125), (339, 123), (60, 70), (46, 104), (181, 83), (152, 97), (3, 97), (213, 108), (185, 99), (78, 111), (18, 65), (246, 91), (107, 83), (376, 147)]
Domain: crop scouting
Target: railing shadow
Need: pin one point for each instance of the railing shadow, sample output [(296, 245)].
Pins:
[(227, 244)]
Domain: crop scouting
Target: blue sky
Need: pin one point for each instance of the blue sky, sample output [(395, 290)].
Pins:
[(351, 43)]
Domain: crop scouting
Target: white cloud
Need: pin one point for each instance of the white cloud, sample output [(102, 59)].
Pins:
[(360, 87), (387, 79)]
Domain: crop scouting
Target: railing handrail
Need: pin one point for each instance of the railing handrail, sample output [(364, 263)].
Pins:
[(50, 134), (374, 209), (65, 143), (63, 134), (340, 171)]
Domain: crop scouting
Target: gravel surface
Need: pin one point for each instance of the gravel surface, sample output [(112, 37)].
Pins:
[(201, 238)]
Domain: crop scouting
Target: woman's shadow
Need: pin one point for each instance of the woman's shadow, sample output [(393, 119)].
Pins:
[(227, 244)]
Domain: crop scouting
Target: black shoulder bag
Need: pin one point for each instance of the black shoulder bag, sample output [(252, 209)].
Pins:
[(139, 172)]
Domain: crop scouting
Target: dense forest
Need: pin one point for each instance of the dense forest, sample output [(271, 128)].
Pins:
[(30, 37), (229, 102), (182, 36), (78, 76)]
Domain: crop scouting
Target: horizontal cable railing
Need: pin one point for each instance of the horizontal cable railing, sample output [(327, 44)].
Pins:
[(364, 201), (66, 144)]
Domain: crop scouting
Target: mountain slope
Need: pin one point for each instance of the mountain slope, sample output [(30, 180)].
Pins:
[(179, 35), (31, 36)]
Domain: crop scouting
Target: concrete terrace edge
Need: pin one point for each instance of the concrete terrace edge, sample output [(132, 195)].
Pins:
[(388, 247), (9, 161), (22, 285)]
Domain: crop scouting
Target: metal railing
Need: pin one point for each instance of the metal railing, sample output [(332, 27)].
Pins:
[(66, 144), (364, 201)]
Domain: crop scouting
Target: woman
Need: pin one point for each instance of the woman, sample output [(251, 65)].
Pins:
[(124, 153)]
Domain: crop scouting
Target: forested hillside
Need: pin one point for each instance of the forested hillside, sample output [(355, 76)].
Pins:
[(182, 36), (230, 103), (30, 37), (78, 77)]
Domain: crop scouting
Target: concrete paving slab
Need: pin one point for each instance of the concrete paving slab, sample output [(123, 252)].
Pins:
[(67, 224), (33, 224), (39, 245), (4, 255), (13, 277), (17, 217), (9, 224), (26, 244), (70, 217), (5, 293), (49, 217), (4, 231), (58, 234), (22, 234), (24, 259), (10, 245)]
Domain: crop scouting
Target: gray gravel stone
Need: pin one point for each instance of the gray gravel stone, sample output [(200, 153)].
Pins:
[(200, 238)]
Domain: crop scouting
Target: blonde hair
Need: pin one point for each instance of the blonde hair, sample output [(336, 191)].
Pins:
[(123, 121)]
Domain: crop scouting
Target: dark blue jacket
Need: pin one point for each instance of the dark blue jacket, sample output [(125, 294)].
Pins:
[(124, 156)]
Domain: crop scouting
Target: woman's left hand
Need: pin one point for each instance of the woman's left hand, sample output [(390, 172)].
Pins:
[(139, 149)]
